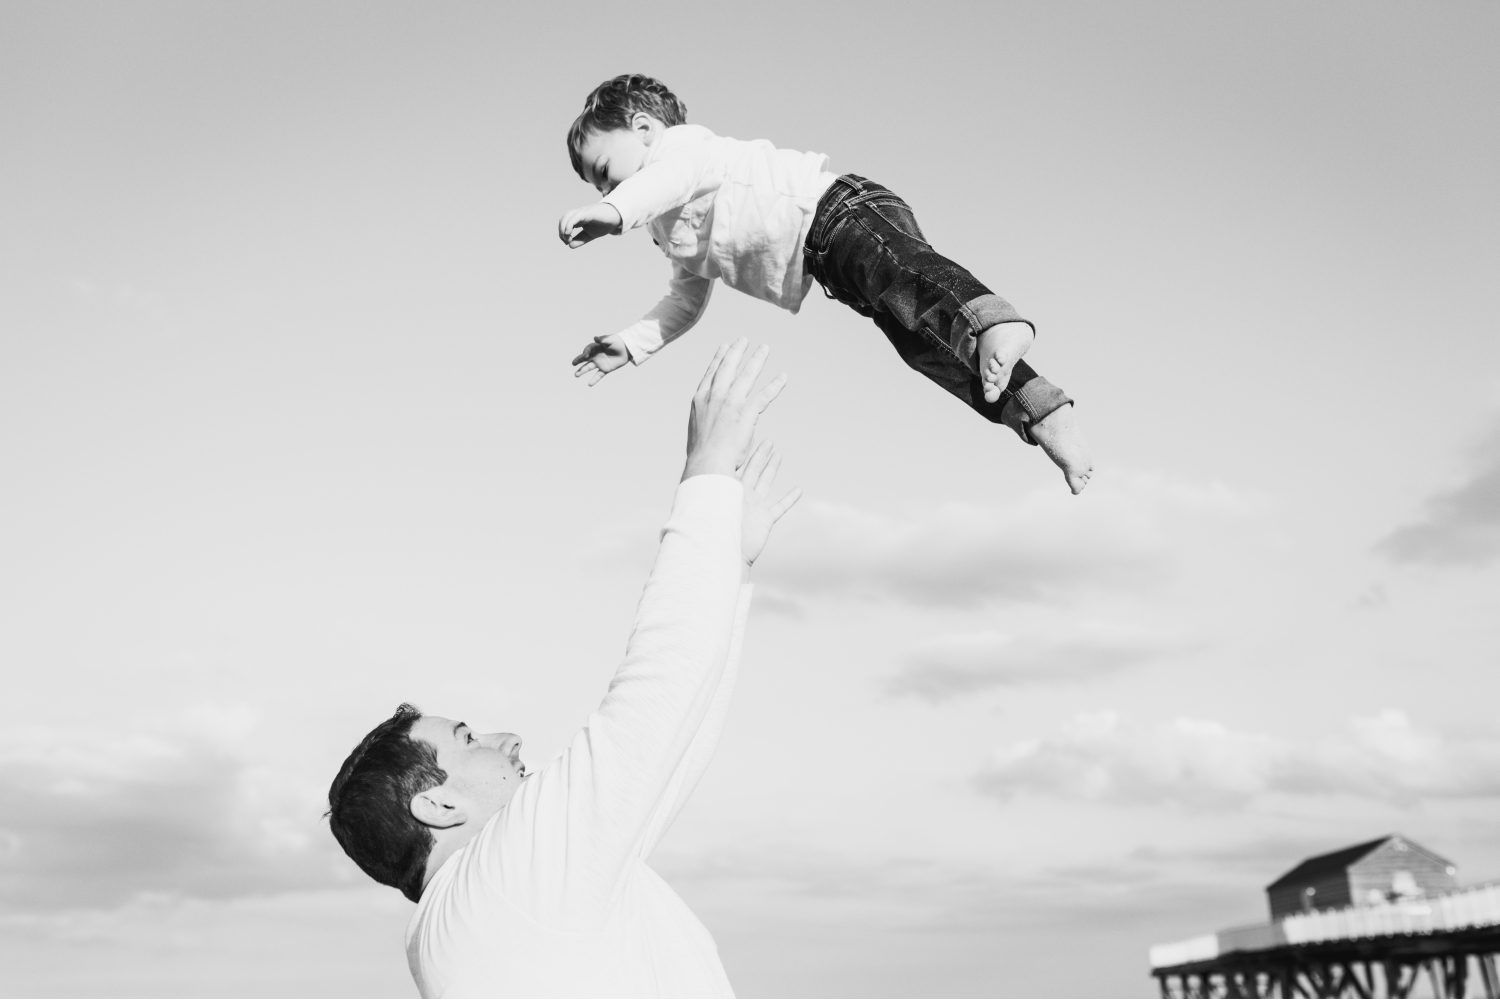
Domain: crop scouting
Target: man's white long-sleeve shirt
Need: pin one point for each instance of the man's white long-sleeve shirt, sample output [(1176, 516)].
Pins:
[(720, 208), (553, 897)]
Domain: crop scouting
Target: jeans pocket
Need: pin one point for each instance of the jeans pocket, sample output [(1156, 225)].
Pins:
[(898, 215)]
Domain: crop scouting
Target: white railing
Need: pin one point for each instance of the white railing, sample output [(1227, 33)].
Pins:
[(1476, 906), (1198, 949)]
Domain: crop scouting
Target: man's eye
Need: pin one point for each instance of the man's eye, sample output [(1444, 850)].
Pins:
[(469, 737)]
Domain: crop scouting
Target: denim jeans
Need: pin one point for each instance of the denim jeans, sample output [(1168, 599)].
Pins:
[(866, 250)]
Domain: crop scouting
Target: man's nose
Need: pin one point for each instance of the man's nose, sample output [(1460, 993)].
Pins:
[(504, 742)]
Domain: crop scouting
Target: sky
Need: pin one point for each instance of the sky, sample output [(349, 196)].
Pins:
[(288, 435)]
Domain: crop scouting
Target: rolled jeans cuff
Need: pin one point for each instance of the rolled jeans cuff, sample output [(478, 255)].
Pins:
[(978, 315), (1030, 404)]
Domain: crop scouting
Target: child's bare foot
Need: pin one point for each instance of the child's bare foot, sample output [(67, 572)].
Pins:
[(1000, 347), (1061, 439)]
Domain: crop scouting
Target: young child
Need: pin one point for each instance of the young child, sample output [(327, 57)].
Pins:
[(769, 222)]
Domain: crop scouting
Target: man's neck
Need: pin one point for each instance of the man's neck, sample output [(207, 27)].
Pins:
[(447, 843)]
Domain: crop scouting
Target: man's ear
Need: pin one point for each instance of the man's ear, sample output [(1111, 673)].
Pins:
[(435, 807)]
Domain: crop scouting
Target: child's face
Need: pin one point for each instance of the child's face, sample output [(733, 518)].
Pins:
[(611, 157)]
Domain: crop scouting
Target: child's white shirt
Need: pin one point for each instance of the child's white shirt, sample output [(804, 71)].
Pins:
[(720, 208)]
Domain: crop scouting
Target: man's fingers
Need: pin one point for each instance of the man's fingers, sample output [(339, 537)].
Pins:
[(747, 375), (708, 375), (728, 368), (768, 476), (599, 373), (785, 504), (751, 470), (768, 395)]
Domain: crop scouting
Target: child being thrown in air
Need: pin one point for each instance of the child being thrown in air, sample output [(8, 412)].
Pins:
[(768, 222)]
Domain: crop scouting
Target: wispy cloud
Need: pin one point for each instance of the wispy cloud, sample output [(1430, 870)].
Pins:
[(1119, 895), (959, 555), (329, 942), (954, 665), (1124, 533), (180, 808), (1460, 527), (1209, 766)]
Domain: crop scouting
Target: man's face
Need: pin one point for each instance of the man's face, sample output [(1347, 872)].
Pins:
[(484, 771), (614, 156)]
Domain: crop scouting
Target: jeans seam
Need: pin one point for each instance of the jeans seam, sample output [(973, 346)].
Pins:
[(885, 249)]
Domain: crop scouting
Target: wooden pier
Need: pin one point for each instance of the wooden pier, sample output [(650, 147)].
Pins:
[(1424, 934)]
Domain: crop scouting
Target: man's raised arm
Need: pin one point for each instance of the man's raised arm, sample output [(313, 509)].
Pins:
[(572, 829)]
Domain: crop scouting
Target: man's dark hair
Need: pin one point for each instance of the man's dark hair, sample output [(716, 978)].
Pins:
[(614, 102), (369, 803)]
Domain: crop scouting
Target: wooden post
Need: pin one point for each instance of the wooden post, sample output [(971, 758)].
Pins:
[(1362, 984), (1487, 972)]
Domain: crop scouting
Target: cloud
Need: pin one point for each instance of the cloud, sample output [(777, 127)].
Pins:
[(331, 942), (180, 807), (965, 663), (901, 926), (1205, 765), (1460, 527), (1123, 533), (959, 555)]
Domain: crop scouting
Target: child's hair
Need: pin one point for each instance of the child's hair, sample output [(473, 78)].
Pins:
[(614, 102)]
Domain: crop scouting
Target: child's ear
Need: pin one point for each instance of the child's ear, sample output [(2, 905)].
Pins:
[(646, 127)]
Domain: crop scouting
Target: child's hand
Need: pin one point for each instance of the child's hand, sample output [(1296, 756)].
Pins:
[(581, 225), (601, 357)]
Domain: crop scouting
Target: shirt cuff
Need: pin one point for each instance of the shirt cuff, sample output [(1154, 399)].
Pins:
[(627, 219), (711, 498), (640, 346)]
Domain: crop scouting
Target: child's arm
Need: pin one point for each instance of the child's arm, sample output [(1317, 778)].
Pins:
[(676, 314), (678, 177)]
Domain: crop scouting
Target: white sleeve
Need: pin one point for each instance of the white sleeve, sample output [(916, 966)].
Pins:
[(683, 172), (696, 761), (562, 844), (676, 314)]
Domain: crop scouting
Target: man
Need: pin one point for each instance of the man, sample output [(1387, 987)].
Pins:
[(537, 884)]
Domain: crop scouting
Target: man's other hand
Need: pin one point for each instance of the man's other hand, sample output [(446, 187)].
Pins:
[(721, 425), (760, 514)]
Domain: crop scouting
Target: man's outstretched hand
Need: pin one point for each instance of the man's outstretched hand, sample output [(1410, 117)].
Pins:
[(721, 429), (760, 514), (721, 425)]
